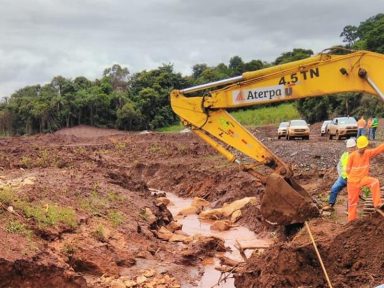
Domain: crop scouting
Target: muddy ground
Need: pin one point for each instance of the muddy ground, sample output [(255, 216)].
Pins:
[(74, 212)]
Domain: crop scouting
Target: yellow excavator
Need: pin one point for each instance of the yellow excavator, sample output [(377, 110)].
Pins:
[(202, 108)]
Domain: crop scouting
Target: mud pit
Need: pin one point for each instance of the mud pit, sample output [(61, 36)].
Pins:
[(79, 198)]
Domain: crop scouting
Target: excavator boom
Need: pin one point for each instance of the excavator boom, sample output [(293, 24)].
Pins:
[(323, 74)]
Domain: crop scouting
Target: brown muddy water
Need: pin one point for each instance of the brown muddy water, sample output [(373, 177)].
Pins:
[(192, 225)]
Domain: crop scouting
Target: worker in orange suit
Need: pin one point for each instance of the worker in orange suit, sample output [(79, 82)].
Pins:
[(358, 176), (361, 126)]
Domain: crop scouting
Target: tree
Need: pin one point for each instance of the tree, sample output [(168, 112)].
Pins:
[(129, 117), (198, 69), (350, 35), (236, 65), (294, 55), (118, 77)]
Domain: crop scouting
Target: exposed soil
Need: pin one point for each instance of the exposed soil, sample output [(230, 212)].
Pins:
[(82, 214)]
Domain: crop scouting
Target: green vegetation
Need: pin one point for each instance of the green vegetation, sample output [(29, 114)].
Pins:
[(42, 159), (44, 215), (50, 215), (140, 101), (99, 234), (172, 128), (68, 249), (116, 217), (95, 203), (6, 195), (17, 227), (267, 115), (369, 35)]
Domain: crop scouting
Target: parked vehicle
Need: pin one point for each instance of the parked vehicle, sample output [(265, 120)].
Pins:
[(282, 130), (323, 129), (298, 128), (342, 127)]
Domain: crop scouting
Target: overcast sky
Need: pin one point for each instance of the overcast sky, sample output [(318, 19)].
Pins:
[(41, 39)]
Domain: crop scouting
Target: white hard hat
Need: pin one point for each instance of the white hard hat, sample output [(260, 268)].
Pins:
[(351, 143)]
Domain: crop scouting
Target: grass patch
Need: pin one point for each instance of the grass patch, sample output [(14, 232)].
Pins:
[(116, 218), (99, 234), (50, 215), (172, 128), (95, 202), (115, 197), (44, 159), (6, 195), (17, 227), (267, 115), (68, 249), (44, 215), (156, 148), (120, 145)]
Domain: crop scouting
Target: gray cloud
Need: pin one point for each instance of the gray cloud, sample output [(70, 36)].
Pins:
[(45, 38)]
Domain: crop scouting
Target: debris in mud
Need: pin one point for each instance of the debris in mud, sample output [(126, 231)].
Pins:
[(148, 279), (163, 216), (353, 258), (125, 180), (201, 247), (37, 273), (198, 204), (227, 210), (222, 225)]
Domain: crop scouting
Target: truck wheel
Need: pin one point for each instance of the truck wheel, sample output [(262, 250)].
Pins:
[(337, 135), (330, 136)]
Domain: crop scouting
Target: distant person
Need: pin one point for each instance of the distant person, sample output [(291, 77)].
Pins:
[(358, 176), (361, 126), (375, 124), (369, 126), (341, 181)]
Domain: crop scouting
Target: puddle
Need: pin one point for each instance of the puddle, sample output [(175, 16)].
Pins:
[(193, 225)]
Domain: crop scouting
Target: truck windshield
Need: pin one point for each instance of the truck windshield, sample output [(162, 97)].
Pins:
[(346, 120), (298, 123)]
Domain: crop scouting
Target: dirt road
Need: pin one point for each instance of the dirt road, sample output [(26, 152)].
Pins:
[(74, 212)]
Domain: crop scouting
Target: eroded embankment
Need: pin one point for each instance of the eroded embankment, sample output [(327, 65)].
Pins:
[(353, 257)]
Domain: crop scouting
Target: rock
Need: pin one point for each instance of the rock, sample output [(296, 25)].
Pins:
[(162, 200), (181, 238), (141, 279), (149, 273), (130, 283), (149, 216), (117, 284), (221, 225), (174, 226), (227, 209), (164, 233), (236, 216), (190, 211), (200, 202)]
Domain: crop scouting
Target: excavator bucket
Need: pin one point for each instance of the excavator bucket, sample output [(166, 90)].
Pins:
[(285, 202)]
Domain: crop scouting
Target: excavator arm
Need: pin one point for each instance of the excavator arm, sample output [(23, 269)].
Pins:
[(323, 74)]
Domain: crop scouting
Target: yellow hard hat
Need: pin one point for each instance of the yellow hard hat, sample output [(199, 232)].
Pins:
[(362, 142)]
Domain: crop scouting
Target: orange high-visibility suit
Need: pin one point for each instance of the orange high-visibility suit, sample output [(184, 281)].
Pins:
[(358, 177)]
